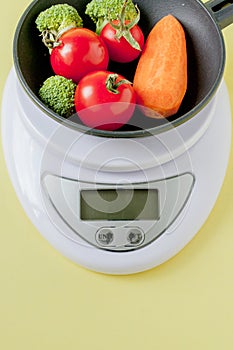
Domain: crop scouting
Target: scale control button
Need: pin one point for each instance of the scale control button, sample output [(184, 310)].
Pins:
[(135, 236), (104, 236)]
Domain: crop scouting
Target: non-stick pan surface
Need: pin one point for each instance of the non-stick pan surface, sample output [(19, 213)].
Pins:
[(205, 48)]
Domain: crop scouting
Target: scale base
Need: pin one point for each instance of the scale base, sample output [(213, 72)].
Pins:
[(208, 163)]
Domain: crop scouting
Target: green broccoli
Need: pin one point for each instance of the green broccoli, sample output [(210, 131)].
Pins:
[(57, 93), (101, 11), (58, 17)]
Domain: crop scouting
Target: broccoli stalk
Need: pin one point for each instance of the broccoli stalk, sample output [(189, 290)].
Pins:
[(57, 93), (103, 11), (56, 20)]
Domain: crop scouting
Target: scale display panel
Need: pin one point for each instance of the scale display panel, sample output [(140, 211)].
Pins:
[(119, 204)]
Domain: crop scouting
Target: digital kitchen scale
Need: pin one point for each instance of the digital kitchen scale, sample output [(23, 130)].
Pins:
[(115, 205)]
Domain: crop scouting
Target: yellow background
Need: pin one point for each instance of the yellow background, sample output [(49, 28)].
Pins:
[(47, 302)]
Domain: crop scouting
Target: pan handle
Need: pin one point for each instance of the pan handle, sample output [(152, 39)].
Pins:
[(222, 11)]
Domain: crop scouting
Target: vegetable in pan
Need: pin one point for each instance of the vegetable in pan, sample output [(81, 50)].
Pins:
[(79, 51), (104, 100), (160, 79), (57, 93), (74, 51), (124, 38), (57, 18), (101, 11)]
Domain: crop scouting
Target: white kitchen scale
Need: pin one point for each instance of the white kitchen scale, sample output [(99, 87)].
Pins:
[(115, 205)]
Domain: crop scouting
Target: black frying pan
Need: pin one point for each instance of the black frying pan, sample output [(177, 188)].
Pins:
[(206, 57)]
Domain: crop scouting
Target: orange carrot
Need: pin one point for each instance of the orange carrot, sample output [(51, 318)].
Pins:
[(160, 79)]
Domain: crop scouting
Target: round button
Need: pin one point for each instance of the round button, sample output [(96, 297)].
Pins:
[(104, 236), (135, 236)]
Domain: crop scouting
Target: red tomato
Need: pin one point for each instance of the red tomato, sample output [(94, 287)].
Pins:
[(101, 108), (80, 52), (121, 50)]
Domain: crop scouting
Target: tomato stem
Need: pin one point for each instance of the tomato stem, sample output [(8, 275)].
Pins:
[(123, 30), (112, 85), (50, 38)]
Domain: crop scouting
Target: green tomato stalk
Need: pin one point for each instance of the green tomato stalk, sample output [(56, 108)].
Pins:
[(123, 29), (101, 11), (112, 84)]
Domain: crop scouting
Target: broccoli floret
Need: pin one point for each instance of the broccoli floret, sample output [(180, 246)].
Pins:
[(58, 17), (100, 11), (57, 93)]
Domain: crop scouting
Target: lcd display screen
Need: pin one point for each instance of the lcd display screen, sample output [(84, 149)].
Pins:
[(119, 204)]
